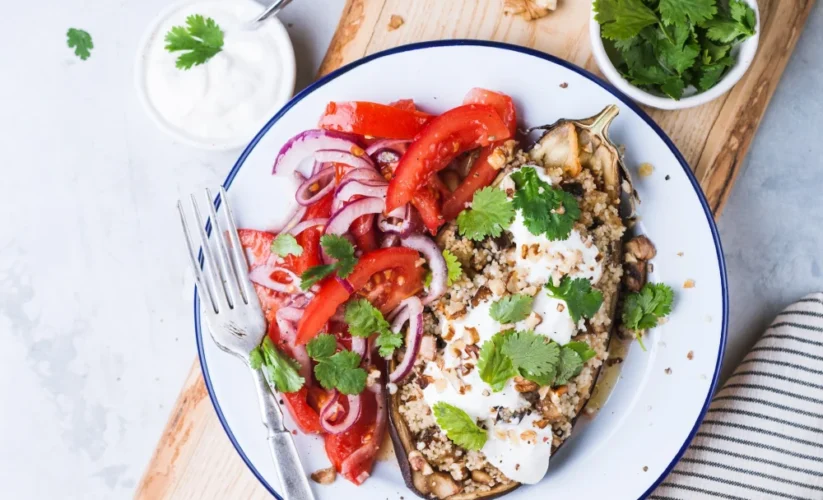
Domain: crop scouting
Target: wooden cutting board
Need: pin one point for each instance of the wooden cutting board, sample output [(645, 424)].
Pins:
[(194, 458)]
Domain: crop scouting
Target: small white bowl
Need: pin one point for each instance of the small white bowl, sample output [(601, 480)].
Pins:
[(288, 70), (743, 54)]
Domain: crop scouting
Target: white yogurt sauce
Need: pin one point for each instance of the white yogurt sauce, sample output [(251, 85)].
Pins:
[(231, 96), (521, 460)]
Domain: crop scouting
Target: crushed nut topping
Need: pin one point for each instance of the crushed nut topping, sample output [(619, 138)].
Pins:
[(395, 22), (324, 476)]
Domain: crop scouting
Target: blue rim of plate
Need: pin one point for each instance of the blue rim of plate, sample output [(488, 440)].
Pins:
[(546, 57)]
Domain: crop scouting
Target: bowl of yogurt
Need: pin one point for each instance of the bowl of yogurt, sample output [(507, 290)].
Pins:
[(223, 102)]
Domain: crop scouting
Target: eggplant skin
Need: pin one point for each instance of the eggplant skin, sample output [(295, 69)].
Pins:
[(610, 162), (415, 480)]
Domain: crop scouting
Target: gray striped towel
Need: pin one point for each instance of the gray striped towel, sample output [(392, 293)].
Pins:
[(763, 434)]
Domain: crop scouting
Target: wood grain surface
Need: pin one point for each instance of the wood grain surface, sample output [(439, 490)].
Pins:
[(194, 458)]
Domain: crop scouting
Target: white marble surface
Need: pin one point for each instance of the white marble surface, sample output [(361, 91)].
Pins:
[(95, 317)]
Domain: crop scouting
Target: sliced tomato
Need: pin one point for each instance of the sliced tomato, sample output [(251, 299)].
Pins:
[(341, 446), (385, 276), (363, 231), (427, 202), (310, 238), (482, 172), (404, 104), (444, 138), (373, 119)]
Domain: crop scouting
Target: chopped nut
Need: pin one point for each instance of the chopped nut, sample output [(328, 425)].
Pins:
[(497, 286), (373, 378), (418, 463), (645, 468), (529, 436), (540, 424), (442, 485), (392, 388), (529, 9), (690, 355), (473, 351), (482, 294), (480, 476), (680, 254), (533, 320), (395, 22), (564, 85), (668, 371), (523, 385), (449, 334), (440, 384), (689, 283), (561, 307), (486, 392), (324, 476), (428, 349), (471, 336), (645, 169), (641, 248)]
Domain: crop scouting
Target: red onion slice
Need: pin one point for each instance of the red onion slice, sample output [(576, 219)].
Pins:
[(307, 224), (306, 143), (403, 228), (286, 318), (315, 187), (345, 284), (398, 146), (261, 275), (369, 449), (413, 313), (340, 221), (363, 174), (368, 188), (346, 157), (295, 219), (390, 240), (358, 345), (437, 264), (333, 405)]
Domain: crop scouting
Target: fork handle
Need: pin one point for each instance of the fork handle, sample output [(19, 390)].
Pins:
[(287, 464)]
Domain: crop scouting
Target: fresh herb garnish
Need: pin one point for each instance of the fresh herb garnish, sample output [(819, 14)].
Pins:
[(455, 270), (494, 367), (569, 366), (338, 248), (643, 310), (512, 308), (545, 210), (364, 320), (582, 300), (202, 38), (80, 41), (281, 371), (532, 355), (586, 353), (285, 244), (459, 426), (667, 46), (339, 370), (490, 213)]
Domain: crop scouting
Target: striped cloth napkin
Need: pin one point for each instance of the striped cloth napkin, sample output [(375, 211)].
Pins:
[(763, 434)]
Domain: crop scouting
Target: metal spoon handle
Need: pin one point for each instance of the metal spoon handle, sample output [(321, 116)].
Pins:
[(272, 9)]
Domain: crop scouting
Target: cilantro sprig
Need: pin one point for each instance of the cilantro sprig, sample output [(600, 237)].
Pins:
[(201, 38), (285, 244), (453, 269), (545, 210), (533, 357), (512, 308), (643, 310), (364, 320), (338, 248), (459, 426), (490, 213), (80, 41), (582, 300), (281, 371), (336, 370), (666, 46)]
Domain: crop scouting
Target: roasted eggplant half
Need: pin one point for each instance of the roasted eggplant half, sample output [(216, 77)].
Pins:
[(526, 410)]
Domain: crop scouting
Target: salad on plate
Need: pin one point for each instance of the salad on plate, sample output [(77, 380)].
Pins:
[(448, 281)]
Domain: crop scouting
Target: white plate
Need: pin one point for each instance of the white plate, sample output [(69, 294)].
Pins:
[(651, 416)]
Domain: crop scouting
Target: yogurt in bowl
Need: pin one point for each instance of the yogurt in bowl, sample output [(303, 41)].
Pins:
[(223, 102)]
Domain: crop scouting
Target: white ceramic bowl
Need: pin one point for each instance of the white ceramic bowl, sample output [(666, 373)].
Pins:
[(285, 92), (662, 394), (743, 54)]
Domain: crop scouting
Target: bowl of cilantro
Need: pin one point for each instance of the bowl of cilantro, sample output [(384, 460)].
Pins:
[(671, 54)]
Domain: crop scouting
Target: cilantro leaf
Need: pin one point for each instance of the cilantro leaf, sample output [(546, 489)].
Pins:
[(338, 248), (314, 274), (341, 371), (531, 352), (743, 14), (202, 38), (605, 10), (569, 366), (364, 320), (512, 308), (322, 347), (677, 11), (490, 213), (545, 210), (582, 300), (630, 17), (387, 342), (642, 310), (677, 56), (281, 371), (80, 41), (494, 367), (341, 249), (286, 244), (673, 87), (726, 31), (710, 75), (586, 353), (256, 358), (459, 426), (455, 270)]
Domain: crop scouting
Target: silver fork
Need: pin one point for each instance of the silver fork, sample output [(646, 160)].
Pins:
[(237, 325)]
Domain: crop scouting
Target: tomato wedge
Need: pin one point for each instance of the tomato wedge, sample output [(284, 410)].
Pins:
[(450, 134), (482, 172), (374, 119), (340, 447), (385, 277)]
